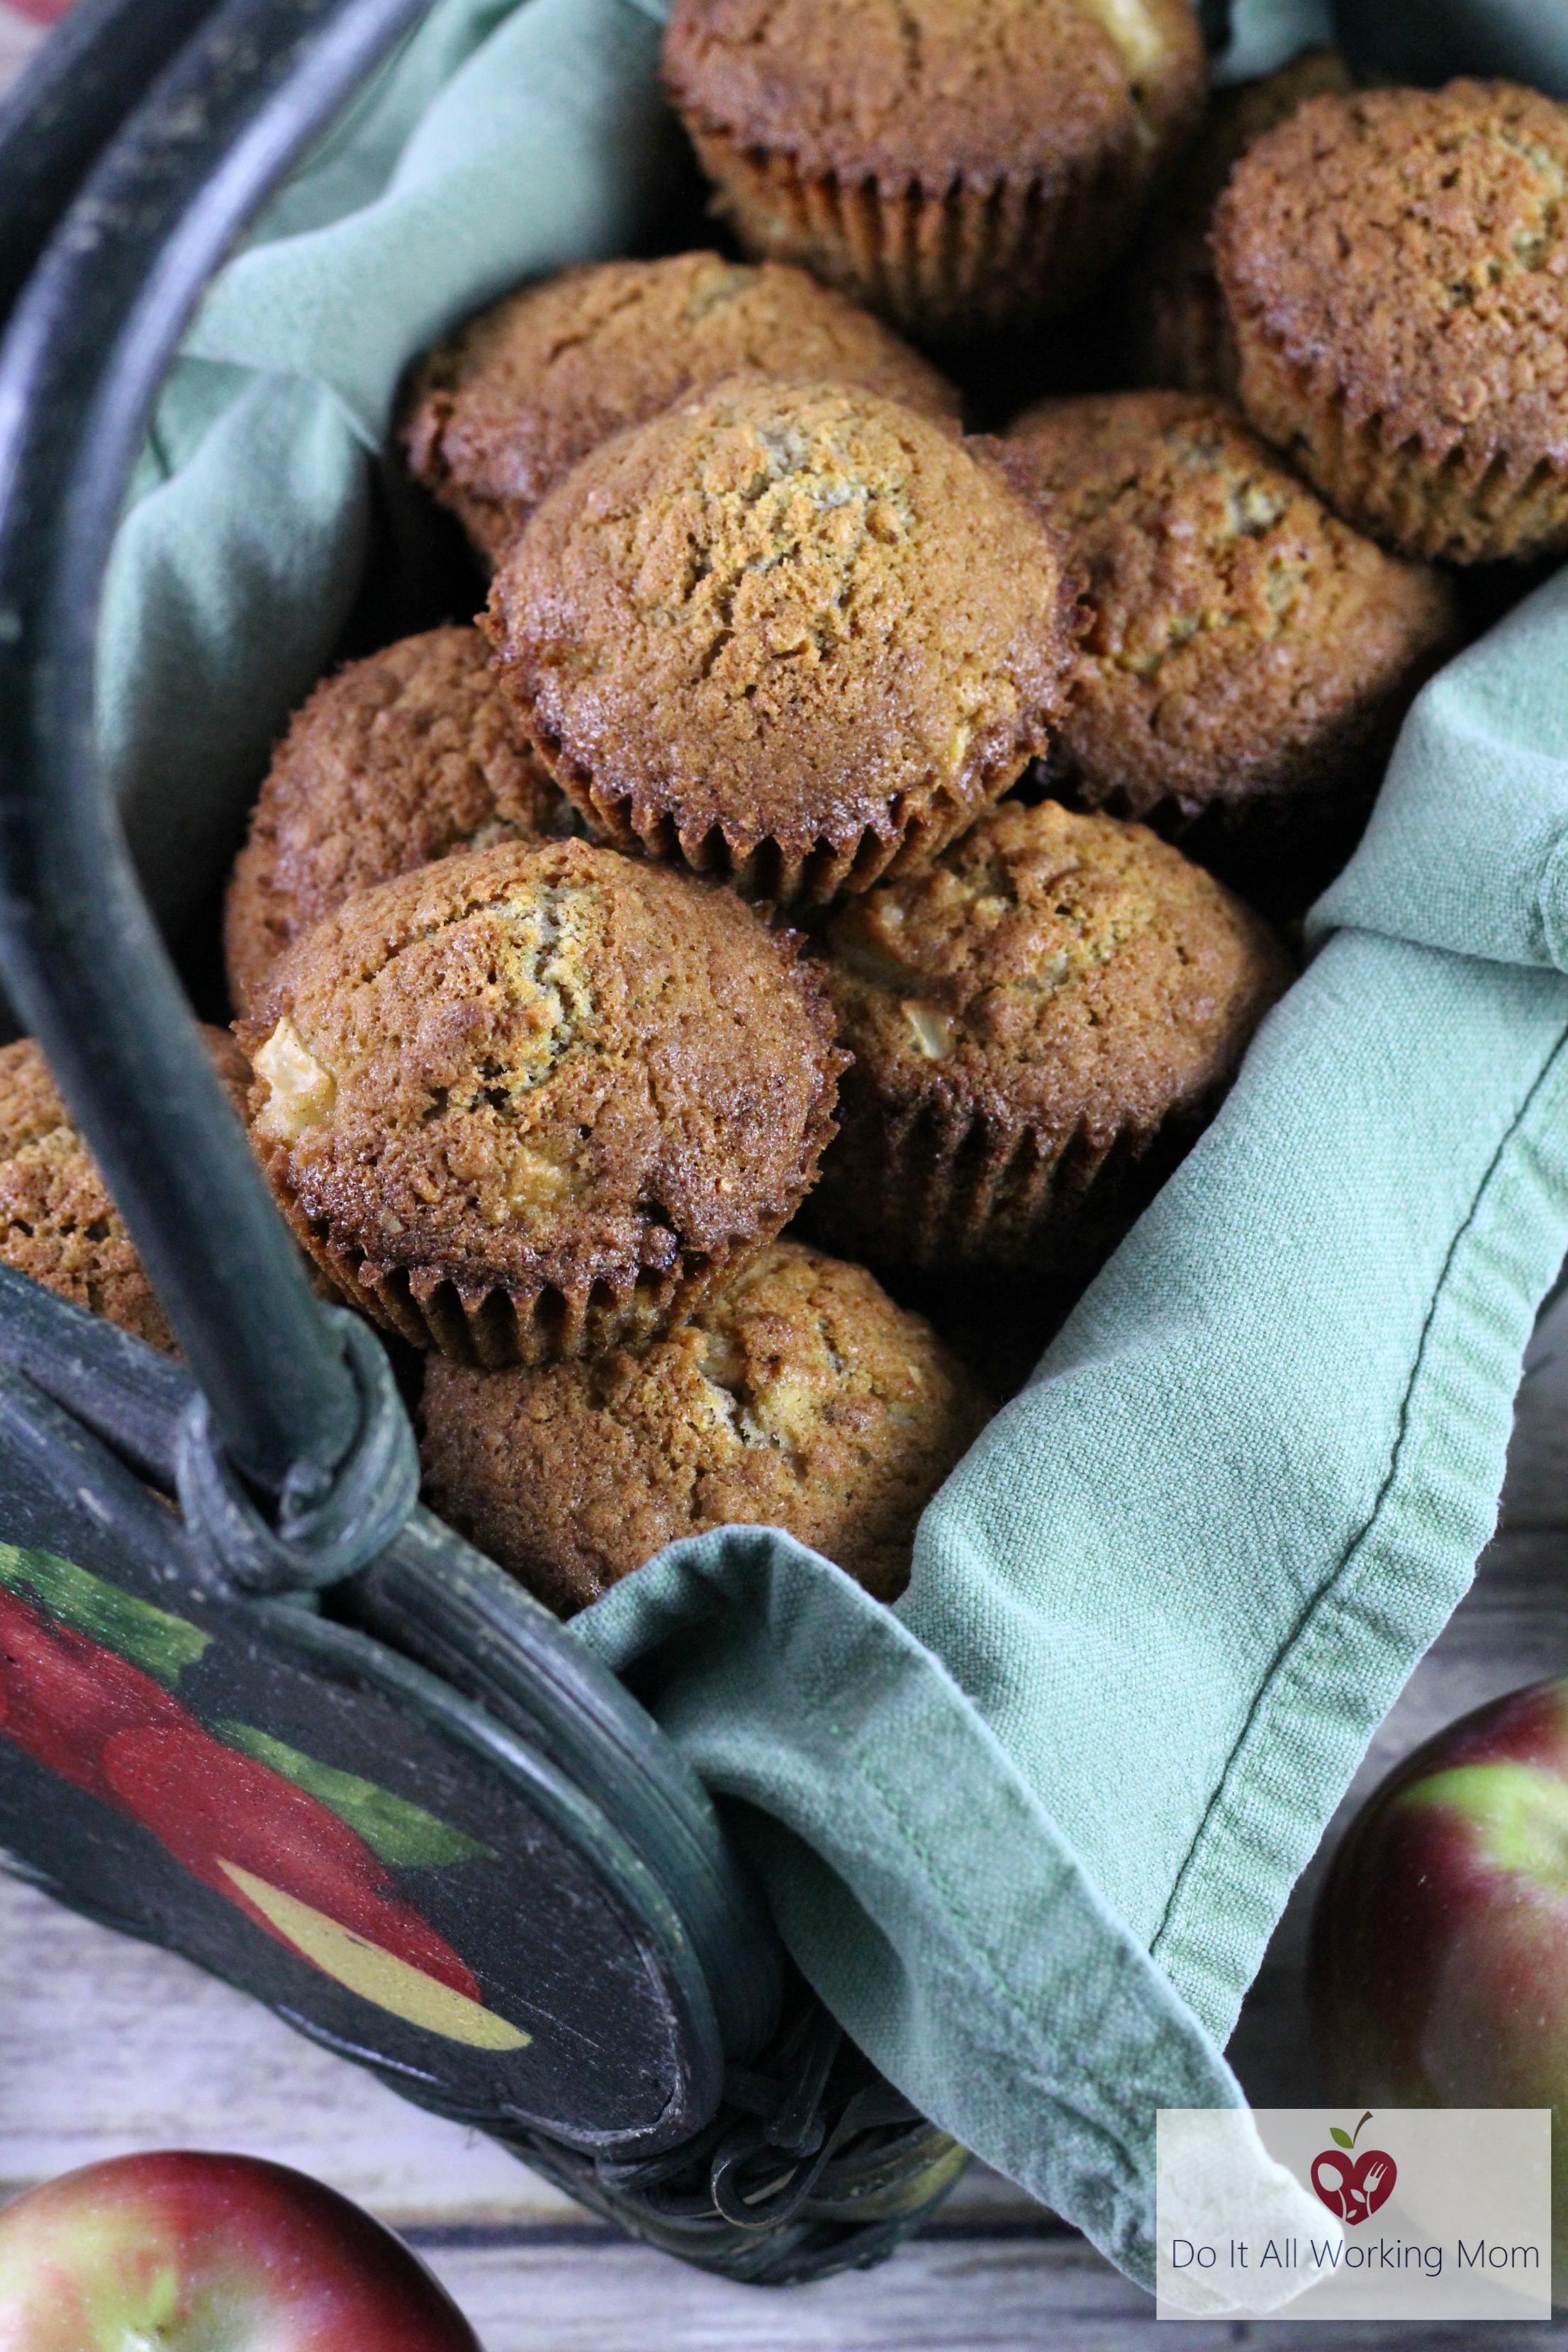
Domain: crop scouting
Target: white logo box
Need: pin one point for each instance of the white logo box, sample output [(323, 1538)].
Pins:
[(1428, 2214)]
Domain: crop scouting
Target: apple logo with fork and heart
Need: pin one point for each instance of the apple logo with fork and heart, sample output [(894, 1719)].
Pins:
[(1355, 2186)]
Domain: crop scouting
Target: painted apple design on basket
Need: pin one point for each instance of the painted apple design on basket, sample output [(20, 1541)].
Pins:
[(1352, 2186), (238, 1811)]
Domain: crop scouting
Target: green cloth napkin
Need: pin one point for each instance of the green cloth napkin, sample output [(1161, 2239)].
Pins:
[(1028, 1833)]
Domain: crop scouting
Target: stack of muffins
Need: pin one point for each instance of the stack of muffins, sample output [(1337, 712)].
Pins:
[(833, 822)]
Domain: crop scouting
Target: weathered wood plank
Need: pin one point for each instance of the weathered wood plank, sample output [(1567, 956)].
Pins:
[(19, 37), (933, 2296)]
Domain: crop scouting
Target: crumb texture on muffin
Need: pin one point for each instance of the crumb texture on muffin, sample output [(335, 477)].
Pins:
[(534, 1100), (786, 633), (798, 1397), (58, 1222), (505, 409), (1394, 265), (961, 164), (1242, 641), (399, 760), (1026, 1018)]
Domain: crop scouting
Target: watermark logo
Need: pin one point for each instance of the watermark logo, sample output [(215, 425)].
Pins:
[(1409, 2213), (1354, 2185)]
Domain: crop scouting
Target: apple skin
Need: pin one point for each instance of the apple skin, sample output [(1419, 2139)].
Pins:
[(211, 2253), (1437, 1975)]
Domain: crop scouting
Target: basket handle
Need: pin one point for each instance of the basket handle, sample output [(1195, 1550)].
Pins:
[(89, 345), (66, 104)]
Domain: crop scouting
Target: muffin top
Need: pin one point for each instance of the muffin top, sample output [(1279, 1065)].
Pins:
[(507, 407), (1242, 639), (58, 1222), (1054, 972), (798, 1397), (543, 1064), (932, 91), (398, 759), (1407, 250), (784, 612)]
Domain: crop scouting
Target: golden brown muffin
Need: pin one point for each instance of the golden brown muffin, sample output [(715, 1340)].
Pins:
[(538, 1100), (959, 165), (791, 633), (506, 408), (58, 1222), (1394, 266), (1248, 656), (1028, 1017), (1170, 320), (399, 760), (798, 1397)]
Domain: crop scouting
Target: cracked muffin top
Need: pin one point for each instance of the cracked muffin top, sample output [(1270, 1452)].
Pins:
[(400, 759), (930, 92), (797, 619), (1054, 972), (58, 1222), (1242, 640), (798, 1397), (505, 408), (541, 1064), (1408, 251)]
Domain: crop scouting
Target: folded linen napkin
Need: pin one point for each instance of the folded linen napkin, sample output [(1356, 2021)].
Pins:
[(1028, 1833)]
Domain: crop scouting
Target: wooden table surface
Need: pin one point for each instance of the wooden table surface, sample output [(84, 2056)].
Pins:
[(107, 2045)]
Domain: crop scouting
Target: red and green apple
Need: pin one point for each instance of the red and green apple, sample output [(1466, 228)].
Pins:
[(1438, 1972), (211, 2253)]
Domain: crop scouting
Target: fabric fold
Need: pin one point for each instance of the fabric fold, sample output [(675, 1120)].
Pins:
[(1467, 847)]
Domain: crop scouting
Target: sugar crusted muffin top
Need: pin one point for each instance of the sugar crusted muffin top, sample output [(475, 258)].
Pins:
[(505, 408), (928, 92), (1052, 970), (797, 614), (398, 759), (799, 1396), (1241, 638), (1407, 250), (58, 1222), (543, 1064)]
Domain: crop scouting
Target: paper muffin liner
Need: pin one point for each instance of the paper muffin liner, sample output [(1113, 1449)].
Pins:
[(943, 264), (948, 1190), (1457, 508), (495, 1326), (1176, 332), (920, 825)]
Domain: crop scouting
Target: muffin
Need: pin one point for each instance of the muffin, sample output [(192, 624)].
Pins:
[(1248, 656), (397, 761), (507, 407), (536, 1101), (795, 634), (1172, 326), (1394, 267), (1030, 1018), (961, 166), (58, 1222), (798, 1397)]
